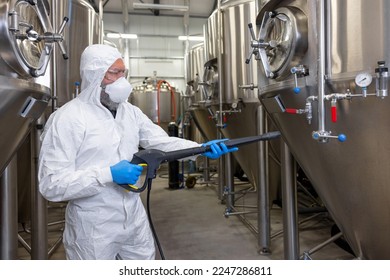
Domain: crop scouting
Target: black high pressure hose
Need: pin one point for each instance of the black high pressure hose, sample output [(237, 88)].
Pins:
[(150, 220)]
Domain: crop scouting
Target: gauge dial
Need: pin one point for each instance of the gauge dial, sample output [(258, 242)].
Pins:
[(363, 79)]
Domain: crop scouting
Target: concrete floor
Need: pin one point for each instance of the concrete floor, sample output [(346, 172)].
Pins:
[(191, 225)]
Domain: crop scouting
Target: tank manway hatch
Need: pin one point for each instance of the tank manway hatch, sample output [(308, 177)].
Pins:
[(27, 37), (281, 42)]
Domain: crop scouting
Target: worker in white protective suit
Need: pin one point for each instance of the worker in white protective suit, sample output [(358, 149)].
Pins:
[(87, 146)]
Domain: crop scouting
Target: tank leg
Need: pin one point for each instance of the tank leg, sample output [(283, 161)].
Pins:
[(221, 174), (206, 170), (289, 204), (39, 228), (229, 188), (9, 212)]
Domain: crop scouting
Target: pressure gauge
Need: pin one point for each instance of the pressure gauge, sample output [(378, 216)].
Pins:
[(363, 79)]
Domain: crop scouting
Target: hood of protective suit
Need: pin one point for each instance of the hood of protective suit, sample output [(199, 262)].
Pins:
[(94, 62)]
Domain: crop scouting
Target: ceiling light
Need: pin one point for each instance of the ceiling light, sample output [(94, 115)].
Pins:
[(122, 36), (191, 38), (160, 7)]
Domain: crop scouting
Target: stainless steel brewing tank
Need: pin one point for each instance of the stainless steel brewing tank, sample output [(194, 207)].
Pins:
[(22, 102), (21, 53), (200, 115), (193, 121), (161, 106), (203, 121), (22, 58), (195, 60), (236, 48), (351, 177), (240, 106), (84, 28)]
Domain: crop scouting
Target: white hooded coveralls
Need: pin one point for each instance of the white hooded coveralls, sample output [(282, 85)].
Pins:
[(81, 141)]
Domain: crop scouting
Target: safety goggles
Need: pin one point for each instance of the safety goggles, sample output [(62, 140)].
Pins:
[(117, 73)]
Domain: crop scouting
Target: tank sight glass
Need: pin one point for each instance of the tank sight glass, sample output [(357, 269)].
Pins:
[(382, 76)]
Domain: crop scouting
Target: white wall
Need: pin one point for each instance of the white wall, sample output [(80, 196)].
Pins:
[(157, 47)]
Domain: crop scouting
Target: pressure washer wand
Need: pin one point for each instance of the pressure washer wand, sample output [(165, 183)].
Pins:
[(153, 158)]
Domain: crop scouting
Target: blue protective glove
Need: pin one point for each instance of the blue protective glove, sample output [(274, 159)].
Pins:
[(125, 172), (218, 148)]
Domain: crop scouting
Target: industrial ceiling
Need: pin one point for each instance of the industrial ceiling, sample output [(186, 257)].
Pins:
[(194, 8)]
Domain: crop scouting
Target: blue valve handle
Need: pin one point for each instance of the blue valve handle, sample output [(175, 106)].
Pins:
[(297, 90), (341, 137)]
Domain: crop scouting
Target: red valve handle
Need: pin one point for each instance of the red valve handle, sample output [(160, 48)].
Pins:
[(291, 111), (334, 113)]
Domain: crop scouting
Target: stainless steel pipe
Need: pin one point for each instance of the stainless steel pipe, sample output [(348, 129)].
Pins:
[(39, 221), (290, 210), (9, 212), (263, 216)]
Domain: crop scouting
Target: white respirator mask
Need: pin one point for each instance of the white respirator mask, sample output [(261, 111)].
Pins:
[(119, 91)]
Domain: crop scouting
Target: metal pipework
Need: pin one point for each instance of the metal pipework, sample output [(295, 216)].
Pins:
[(229, 181), (321, 71), (221, 69), (324, 136), (250, 86), (321, 134), (334, 97), (308, 109), (263, 215), (221, 171), (232, 110)]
